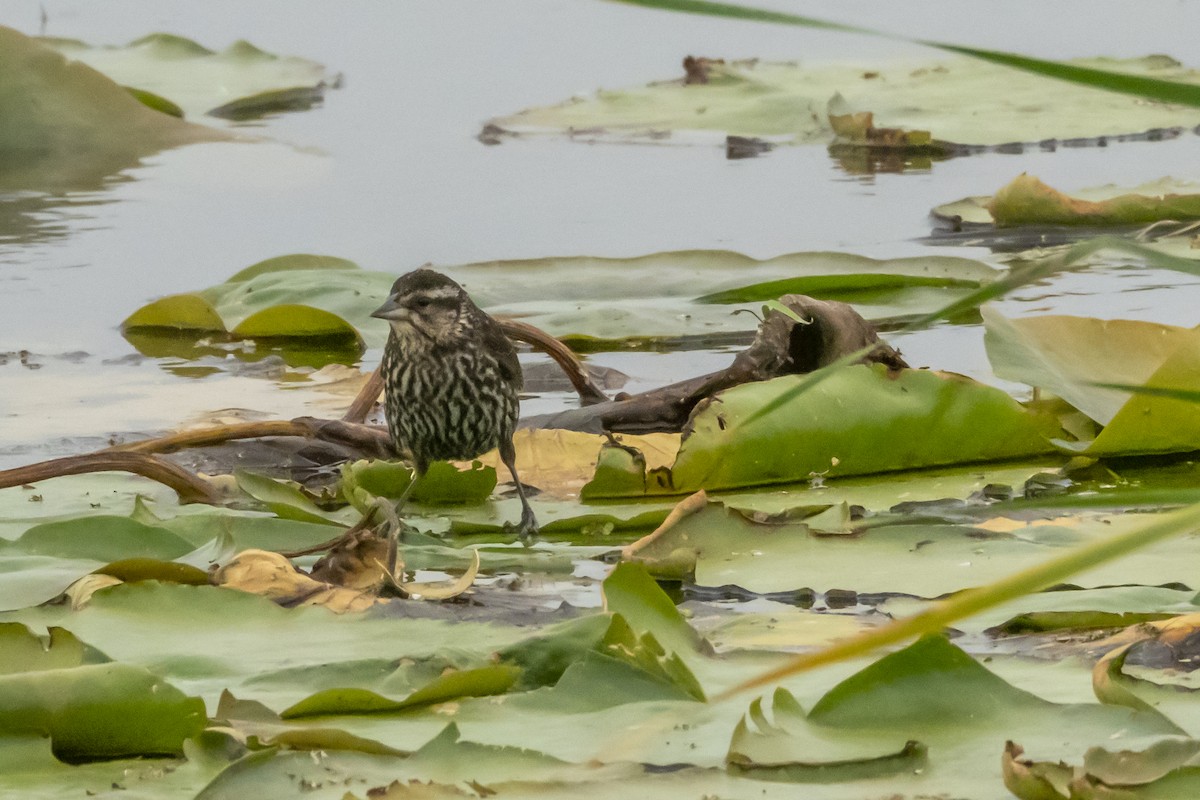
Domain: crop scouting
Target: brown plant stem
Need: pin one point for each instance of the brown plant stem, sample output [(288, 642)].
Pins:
[(589, 393), (363, 437), (191, 488)]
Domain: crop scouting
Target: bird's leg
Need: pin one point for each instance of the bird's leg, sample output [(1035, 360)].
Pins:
[(528, 527), (394, 538)]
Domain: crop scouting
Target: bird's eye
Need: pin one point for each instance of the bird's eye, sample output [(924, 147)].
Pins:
[(422, 302)]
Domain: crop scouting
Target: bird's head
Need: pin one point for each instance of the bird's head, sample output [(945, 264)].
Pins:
[(425, 305)]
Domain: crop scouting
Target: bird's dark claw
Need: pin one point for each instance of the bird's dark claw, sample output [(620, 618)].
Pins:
[(527, 528)]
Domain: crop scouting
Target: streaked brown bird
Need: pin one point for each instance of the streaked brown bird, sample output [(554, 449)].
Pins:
[(450, 379)]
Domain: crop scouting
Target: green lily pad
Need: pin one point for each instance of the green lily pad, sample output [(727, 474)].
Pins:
[(72, 126), (296, 261), (293, 319), (100, 711), (860, 420), (682, 294), (953, 101), (297, 296), (442, 484), (195, 78), (22, 651), (285, 498), (928, 694), (101, 537), (496, 679)]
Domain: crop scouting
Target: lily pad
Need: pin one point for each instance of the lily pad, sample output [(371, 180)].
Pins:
[(99, 711), (689, 293), (287, 297), (860, 420), (1075, 356), (929, 694), (195, 78), (67, 125), (953, 101), (496, 679), (1028, 201)]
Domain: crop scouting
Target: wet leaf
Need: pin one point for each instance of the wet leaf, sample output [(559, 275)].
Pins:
[(184, 311), (1043, 621), (631, 592), (149, 569), (294, 296), (294, 320), (961, 711), (1163, 90), (1070, 355), (273, 576), (544, 658), (442, 484), (248, 530), (295, 261)]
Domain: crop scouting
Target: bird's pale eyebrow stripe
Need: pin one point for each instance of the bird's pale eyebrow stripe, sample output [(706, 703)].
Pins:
[(441, 293)]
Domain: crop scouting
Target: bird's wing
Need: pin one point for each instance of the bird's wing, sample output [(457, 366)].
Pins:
[(506, 355)]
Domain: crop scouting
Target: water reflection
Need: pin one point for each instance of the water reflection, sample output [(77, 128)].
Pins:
[(189, 355), (30, 217)]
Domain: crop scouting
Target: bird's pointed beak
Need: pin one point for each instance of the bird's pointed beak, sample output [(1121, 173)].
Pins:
[(391, 310)]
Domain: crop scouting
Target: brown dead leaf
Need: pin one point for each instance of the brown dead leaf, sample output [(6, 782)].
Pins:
[(273, 576), (859, 128)]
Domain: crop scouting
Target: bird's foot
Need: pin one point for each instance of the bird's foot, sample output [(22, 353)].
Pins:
[(527, 528)]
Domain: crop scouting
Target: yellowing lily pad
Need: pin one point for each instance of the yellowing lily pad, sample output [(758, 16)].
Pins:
[(1028, 201), (1074, 357)]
